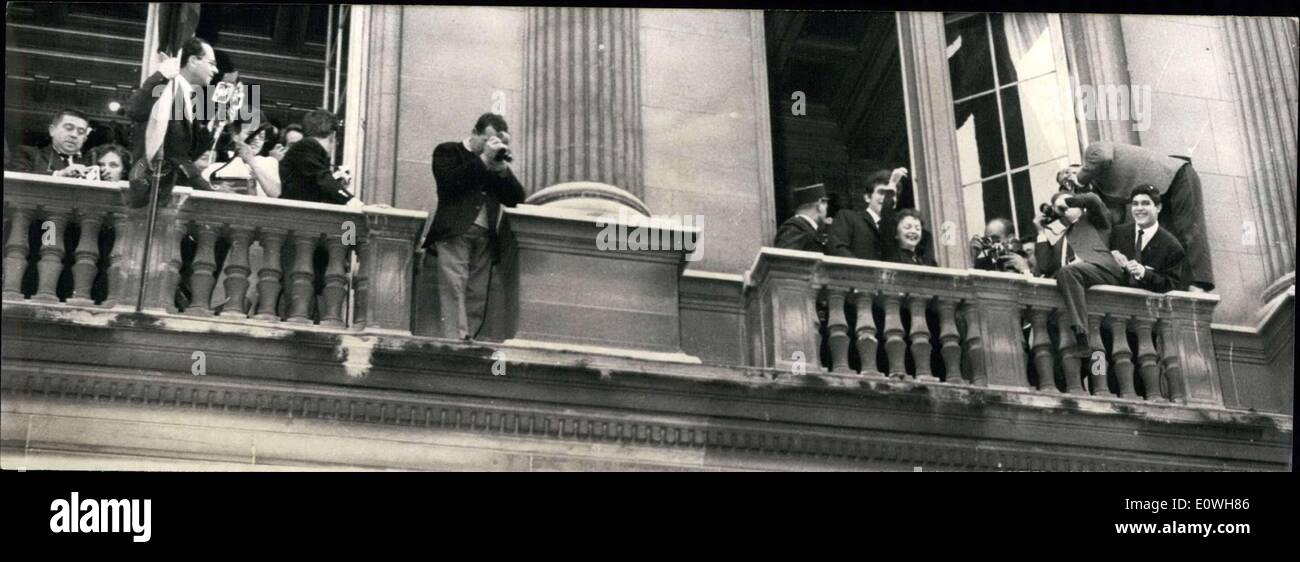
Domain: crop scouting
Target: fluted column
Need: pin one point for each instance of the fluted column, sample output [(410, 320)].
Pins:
[(1263, 55), (582, 98), (1094, 44)]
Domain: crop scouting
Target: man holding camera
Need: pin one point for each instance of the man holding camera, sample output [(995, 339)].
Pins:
[(62, 158), (998, 249), (803, 231), (474, 180), (1073, 247)]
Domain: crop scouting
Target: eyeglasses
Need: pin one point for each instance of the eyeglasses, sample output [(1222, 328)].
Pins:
[(80, 131)]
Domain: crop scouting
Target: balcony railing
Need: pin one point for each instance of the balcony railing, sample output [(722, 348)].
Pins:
[(967, 327), (351, 268), (309, 256)]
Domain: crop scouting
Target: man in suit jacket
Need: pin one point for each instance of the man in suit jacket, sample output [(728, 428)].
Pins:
[(62, 157), (186, 136), (803, 231), (1080, 259), (1152, 257), (473, 184), (306, 172), (868, 234), (1114, 169)]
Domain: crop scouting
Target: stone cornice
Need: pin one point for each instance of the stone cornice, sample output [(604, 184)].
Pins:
[(718, 409)]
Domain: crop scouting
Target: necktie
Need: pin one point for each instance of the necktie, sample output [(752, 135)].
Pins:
[(1141, 242)]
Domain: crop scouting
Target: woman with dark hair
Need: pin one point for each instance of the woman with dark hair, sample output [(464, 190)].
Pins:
[(912, 243), (114, 160), (257, 161)]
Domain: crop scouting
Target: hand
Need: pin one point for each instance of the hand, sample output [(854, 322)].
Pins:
[(279, 151), (205, 160), (1135, 269), (168, 66), (1120, 260), (899, 174), (1016, 262), (71, 171), (244, 151)]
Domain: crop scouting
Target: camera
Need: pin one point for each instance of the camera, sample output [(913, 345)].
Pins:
[(1049, 213), (504, 156), (991, 251)]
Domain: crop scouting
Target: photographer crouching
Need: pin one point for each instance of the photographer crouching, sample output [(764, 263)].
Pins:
[(474, 180)]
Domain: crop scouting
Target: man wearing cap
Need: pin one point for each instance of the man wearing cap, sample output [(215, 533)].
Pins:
[(1114, 169), (803, 230)]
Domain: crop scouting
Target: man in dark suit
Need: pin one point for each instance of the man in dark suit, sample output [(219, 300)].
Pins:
[(868, 234), (1114, 169), (169, 105), (473, 180), (1152, 257), (306, 172), (803, 231), (62, 157), (1079, 259)]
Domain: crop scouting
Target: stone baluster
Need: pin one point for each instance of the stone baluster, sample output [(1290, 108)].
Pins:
[(86, 267), (237, 269), (1148, 367), (361, 283), (950, 340), (52, 251), (866, 335), (16, 251), (302, 291), (268, 279), (1172, 366), (1071, 366), (169, 233), (974, 343), (1121, 356), (895, 346), (336, 283), (1041, 348), (1097, 363), (124, 260), (837, 329), (920, 338), (203, 278)]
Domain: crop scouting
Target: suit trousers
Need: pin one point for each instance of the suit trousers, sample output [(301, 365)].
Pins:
[(1183, 214), (1073, 281), (464, 267)]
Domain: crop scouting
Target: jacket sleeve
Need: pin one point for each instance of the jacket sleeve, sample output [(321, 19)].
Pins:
[(1044, 265), (455, 176), (1090, 202), (837, 243), (24, 160), (316, 165), (509, 191), (789, 237), (142, 100), (1170, 275)]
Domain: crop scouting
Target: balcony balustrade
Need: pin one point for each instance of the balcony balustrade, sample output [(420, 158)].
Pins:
[(968, 327), (304, 275)]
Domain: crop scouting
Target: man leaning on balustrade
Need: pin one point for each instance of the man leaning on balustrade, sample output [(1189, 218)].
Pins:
[(1075, 250), (68, 131)]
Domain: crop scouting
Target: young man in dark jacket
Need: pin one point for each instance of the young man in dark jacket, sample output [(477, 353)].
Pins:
[(474, 180)]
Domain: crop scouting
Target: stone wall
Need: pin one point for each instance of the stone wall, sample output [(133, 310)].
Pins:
[(1185, 62)]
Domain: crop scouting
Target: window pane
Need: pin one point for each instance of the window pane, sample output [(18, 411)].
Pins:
[(1042, 123), (969, 61), (1024, 201), (1043, 180), (996, 199), (979, 139), (1023, 44)]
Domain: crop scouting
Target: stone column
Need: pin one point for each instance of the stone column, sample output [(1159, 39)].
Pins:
[(932, 137), (582, 98), (1263, 58), (1094, 44)]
